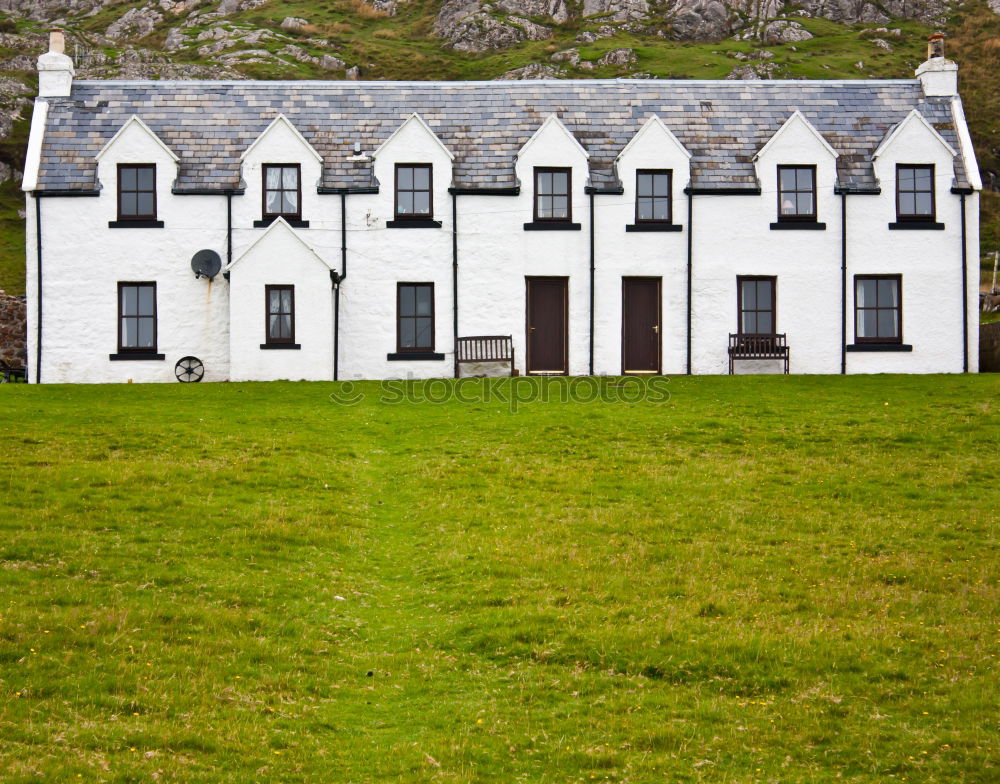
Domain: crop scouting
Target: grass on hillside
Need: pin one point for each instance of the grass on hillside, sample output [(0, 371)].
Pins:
[(761, 578)]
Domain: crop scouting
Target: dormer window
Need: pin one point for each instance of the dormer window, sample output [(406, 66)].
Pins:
[(552, 195), (652, 196), (914, 193), (413, 191), (796, 193), (136, 192), (282, 191)]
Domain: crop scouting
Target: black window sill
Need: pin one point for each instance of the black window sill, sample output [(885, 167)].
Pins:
[(128, 356), (653, 227), (916, 226), (879, 347), (405, 356), (293, 222), (284, 346), (798, 226), (135, 224), (413, 223), (551, 226)]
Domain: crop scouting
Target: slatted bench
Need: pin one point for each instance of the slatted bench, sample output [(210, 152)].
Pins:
[(485, 348), (757, 347), (10, 374)]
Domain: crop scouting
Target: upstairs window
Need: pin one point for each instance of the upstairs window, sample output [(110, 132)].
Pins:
[(552, 194), (136, 317), (413, 191), (914, 193), (280, 303), (652, 196), (756, 305), (136, 191), (878, 312), (415, 317), (282, 191), (796, 193)]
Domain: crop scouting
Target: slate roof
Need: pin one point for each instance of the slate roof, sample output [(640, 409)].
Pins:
[(209, 124)]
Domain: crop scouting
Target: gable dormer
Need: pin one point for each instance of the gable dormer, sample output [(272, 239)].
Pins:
[(653, 168), (912, 139), (413, 168), (136, 169), (551, 145), (281, 170), (800, 166)]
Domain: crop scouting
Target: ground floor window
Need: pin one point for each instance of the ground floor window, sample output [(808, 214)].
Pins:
[(280, 303), (415, 317), (878, 311), (136, 317), (756, 305)]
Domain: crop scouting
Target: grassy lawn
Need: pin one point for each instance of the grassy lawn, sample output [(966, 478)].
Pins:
[(759, 579)]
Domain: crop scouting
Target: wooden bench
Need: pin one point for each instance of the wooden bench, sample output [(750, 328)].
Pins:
[(10, 374), (757, 347), (485, 348)]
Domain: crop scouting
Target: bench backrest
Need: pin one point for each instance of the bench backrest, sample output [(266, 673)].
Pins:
[(486, 348)]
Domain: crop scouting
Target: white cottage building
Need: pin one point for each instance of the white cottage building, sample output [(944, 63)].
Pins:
[(353, 230)]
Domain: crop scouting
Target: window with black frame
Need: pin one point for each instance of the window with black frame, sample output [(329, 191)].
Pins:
[(796, 193), (415, 317), (136, 317), (282, 191), (652, 199), (756, 306)]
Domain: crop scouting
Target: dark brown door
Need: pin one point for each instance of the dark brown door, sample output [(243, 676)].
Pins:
[(640, 325), (547, 328)]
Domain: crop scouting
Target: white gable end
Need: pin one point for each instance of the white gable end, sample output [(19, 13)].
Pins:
[(135, 142), (798, 140), (277, 241), (281, 138), (552, 134), (914, 132), (654, 135), (414, 136)]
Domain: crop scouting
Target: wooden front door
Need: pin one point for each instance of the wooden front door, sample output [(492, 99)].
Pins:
[(640, 325), (547, 325)]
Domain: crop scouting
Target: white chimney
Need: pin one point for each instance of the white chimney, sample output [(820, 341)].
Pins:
[(55, 69), (938, 75)]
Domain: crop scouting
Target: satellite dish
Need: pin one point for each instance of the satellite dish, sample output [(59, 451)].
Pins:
[(206, 264)]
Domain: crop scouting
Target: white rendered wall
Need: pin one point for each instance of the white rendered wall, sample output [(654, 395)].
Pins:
[(380, 257), (84, 260), (280, 258)]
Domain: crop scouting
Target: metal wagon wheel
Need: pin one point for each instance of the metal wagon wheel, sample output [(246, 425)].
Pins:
[(189, 369)]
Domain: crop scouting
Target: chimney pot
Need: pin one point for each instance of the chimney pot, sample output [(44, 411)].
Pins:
[(935, 46), (57, 42)]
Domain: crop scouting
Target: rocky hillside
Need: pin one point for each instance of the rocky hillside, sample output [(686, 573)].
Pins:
[(490, 39)]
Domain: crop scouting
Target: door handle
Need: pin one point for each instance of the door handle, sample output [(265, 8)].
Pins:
[(531, 329), (656, 328)]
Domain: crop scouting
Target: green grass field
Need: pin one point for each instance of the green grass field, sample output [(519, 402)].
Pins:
[(757, 579)]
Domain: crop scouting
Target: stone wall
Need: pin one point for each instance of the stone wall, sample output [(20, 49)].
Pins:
[(989, 348), (13, 330)]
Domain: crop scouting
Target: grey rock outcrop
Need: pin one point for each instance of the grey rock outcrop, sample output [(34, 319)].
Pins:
[(618, 10), (784, 32), (293, 23), (470, 26), (620, 57), (853, 11), (571, 56), (134, 23), (533, 71), (994, 5), (700, 20)]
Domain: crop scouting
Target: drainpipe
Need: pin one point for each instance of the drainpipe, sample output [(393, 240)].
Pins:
[(965, 294), (591, 283), (337, 278), (38, 313), (454, 278), (229, 228), (843, 283), (690, 233)]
